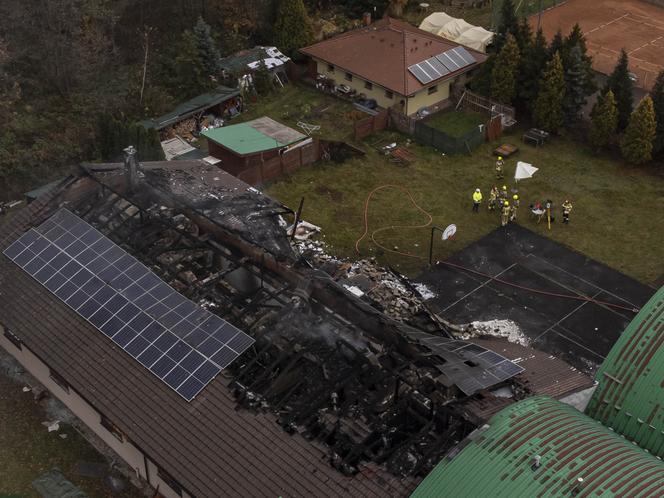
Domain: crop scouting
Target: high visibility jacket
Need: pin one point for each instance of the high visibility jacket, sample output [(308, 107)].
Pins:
[(567, 207), (477, 196)]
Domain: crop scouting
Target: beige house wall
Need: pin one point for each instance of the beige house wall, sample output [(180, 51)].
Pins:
[(413, 104), (377, 93), (423, 99), (88, 415)]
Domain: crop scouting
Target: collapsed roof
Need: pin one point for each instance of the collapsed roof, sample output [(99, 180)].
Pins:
[(334, 397)]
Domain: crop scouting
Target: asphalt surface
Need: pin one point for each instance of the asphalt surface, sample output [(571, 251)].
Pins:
[(581, 333)]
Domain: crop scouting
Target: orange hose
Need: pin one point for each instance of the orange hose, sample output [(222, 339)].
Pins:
[(392, 227)]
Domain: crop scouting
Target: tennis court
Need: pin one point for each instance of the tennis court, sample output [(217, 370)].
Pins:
[(609, 26)]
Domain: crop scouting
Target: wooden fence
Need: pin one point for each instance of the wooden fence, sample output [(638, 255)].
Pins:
[(367, 126), (281, 164)]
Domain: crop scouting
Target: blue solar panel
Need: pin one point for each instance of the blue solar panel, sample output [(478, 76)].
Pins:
[(181, 343)]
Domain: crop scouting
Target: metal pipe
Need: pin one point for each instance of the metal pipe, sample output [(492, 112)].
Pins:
[(433, 229), (297, 218)]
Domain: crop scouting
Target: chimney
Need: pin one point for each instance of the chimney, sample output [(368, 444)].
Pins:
[(366, 18), (536, 462), (131, 168)]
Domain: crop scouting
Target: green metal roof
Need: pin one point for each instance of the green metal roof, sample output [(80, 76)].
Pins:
[(497, 462), (630, 394), (254, 136), (191, 107)]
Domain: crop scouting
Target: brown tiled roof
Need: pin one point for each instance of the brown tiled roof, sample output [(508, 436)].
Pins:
[(383, 51), (209, 445), (544, 373)]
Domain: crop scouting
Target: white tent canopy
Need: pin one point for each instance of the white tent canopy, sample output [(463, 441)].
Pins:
[(457, 30), (435, 22), (476, 37), (524, 170)]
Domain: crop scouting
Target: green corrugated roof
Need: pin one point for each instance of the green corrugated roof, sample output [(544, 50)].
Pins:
[(630, 394), (252, 136), (238, 62), (497, 462), (191, 107)]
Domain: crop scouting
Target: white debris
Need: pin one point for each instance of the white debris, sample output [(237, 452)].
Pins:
[(52, 426), (496, 328), (354, 289), (27, 389), (424, 291), (304, 230)]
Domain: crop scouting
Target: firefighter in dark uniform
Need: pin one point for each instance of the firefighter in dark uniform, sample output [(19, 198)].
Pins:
[(567, 209)]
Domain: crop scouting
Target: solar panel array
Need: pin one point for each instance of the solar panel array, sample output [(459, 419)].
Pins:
[(442, 65), (491, 367), (181, 343)]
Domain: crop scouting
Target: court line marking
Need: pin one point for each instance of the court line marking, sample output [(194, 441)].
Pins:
[(479, 287)]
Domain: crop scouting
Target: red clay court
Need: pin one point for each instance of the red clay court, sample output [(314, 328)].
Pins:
[(610, 25)]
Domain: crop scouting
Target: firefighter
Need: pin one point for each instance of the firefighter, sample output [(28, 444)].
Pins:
[(513, 209), (505, 215), (515, 200), (503, 196), (493, 197), (499, 168), (567, 208), (477, 200)]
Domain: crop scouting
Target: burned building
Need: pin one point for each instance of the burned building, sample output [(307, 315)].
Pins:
[(284, 383)]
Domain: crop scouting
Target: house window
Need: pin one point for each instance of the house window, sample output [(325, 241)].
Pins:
[(349, 77), (330, 68), (112, 428), (432, 89), (13, 338), (389, 95), (59, 380), (169, 480), (368, 85)]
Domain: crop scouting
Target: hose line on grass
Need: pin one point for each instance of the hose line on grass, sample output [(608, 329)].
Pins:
[(454, 265)]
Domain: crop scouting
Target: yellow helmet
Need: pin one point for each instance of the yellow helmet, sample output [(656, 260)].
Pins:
[(506, 203), (500, 158), (515, 197), (504, 187)]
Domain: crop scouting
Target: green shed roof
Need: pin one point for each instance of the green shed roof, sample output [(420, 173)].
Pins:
[(497, 462), (191, 107), (630, 394), (254, 136)]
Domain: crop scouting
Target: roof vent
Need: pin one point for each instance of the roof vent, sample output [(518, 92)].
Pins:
[(578, 486), (131, 168)]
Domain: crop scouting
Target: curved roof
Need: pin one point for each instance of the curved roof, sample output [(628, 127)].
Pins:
[(630, 394), (497, 461)]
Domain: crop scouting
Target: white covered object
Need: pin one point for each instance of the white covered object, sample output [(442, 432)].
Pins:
[(455, 28), (434, 22), (476, 37), (524, 170)]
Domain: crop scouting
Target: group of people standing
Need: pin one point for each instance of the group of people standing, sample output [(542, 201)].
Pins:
[(498, 200)]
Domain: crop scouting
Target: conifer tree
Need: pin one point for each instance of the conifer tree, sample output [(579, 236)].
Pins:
[(523, 35), (577, 39), (190, 72), (207, 46), (263, 82), (505, 72), (533, 63), (604, 121), (481, 81), (508, 24), (548, 113), (575, 88), (623, 89), (657, 96), (636, 143), (292, 27), (557, 43)]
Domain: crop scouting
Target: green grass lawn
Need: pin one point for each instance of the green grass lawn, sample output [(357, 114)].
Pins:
[(615, 218), (455, 123), (27, 449)]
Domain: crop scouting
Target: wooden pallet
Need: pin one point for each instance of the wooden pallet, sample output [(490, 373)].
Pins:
[(506, 150)]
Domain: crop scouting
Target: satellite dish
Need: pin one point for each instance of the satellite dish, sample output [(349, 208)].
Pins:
[(449, 232)]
